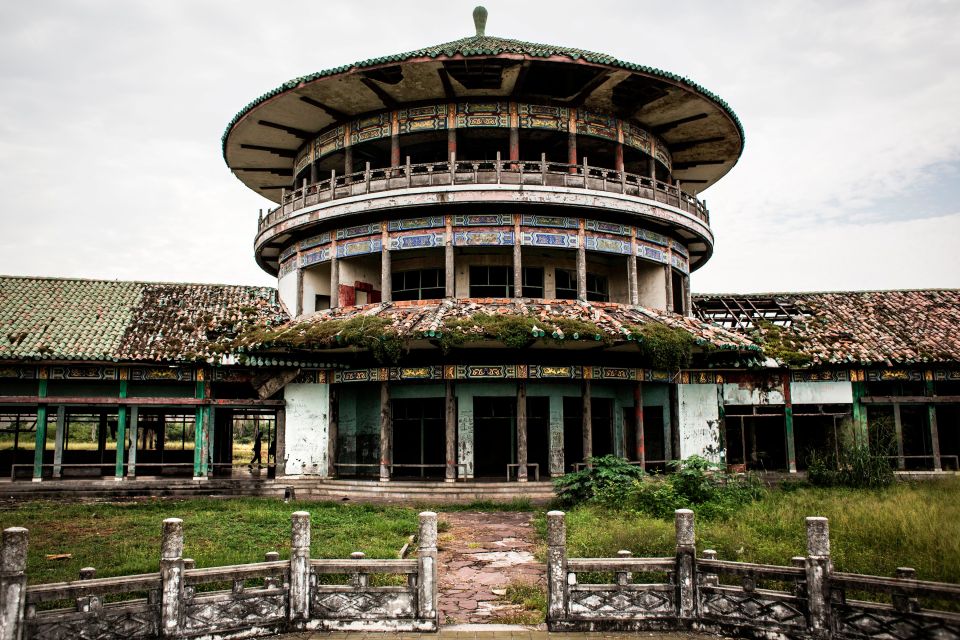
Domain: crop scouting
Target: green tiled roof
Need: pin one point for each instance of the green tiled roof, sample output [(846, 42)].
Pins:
[(483, 45), (64, 319)]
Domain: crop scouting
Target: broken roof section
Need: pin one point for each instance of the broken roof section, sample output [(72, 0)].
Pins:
[(846, 327), (59, 319)]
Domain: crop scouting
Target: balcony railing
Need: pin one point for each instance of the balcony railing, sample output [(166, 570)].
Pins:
[(468, 172)]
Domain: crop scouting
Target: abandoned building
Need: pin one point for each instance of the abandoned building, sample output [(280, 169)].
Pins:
[(483, 253)]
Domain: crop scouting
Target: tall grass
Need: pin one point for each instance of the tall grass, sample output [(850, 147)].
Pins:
[(124, 538), (872, 531)]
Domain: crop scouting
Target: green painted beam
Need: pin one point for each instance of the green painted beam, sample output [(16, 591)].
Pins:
[(861, 435), (198, 462)]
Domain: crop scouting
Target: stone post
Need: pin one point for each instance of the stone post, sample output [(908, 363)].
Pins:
[(427, 567), (710, 579), (800, 584), (299, 566), (171, 578), (359, 579), (686, 565), (624, 577), (901, 601), (87, 603), (272, 582), (556, 566), (13, 582), (819, 568)]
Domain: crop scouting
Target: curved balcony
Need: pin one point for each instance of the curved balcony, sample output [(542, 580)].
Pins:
[(480, 172)]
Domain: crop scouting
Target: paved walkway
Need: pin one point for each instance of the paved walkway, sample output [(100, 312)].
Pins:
[(479, 555), (489, 632)]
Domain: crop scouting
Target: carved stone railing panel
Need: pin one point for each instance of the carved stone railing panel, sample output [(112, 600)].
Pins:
[(219, 612), (881, 622), (375, 603), (631, 602), (112, 622), (757, 608)]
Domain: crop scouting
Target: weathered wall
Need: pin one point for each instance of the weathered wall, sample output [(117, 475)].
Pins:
[(287, 290), (316, 282), (821, 392), (698, 414), (753, 393), (307, 425), (651, 285)]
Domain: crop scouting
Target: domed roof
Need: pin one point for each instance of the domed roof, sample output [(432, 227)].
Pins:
[(703, 132)]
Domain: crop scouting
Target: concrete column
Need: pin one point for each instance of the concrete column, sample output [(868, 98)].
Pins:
[(122, 434), (898, 429), (348, 161), (687, 297), (171, 578), (556, 435), (640, 452), (13, 582), (299, 566), (587, 423), (450, 433), (333, 433), (517, 259), (386, 275), (394, 142), (313, 172), (58, 443), (634, 294), (450, 275), (686, 571), (427, 567), (134, 437), (451, 140), (334, 276), (198, 432), (572, 148), (581, 263), (465, 433), (934, 431), (522, 431), (386, 432), (818, 568), (299, 310), (556, 566), (280, 451), (618, 157), (668, 276)]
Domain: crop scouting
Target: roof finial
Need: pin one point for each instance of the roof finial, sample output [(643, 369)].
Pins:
[(480, 19)]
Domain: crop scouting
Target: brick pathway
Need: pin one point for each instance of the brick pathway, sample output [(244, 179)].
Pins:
[(478, 556), (489, 632)]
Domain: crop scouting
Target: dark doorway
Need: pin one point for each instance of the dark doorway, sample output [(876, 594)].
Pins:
[(602, 423), (572, 432), (494, 436), (948, 429), (652, 436), (756, 437), (538, 433), (418, 438)]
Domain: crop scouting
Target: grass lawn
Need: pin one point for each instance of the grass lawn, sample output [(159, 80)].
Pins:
[(124, 538), (871, 531)]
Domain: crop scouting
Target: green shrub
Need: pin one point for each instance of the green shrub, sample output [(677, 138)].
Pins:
[(663, 347), (609, 480), (859, 467), (696, 484)]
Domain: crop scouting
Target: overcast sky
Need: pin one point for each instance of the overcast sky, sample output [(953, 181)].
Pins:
[(111, 115)]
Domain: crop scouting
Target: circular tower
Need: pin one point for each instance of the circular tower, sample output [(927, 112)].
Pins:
[(481, 175)]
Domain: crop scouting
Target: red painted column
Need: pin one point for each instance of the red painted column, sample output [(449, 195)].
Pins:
[(395, 140), (514, 132), (572, 141)]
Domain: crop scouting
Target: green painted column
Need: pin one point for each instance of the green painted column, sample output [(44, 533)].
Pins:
[(121, 432), (861, 435), (41, 434), (788, 425), (198, 461), (134, 441), (58, 443)]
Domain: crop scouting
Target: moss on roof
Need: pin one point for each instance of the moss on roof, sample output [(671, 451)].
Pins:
[(483, 45)]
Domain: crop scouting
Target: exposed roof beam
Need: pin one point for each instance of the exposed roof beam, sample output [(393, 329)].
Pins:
[(667, 126), (283, 153), (447, 86), (293, 131), (330, 111), (521, 78), (281, 186), (679, 166), (589, 88), (387, 100), (689, 144)]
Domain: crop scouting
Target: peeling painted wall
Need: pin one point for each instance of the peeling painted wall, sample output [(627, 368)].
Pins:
[(307, 425), (698, 414), (316, 281), (753, 393), (821, 393), (287, 290), (651, 285)]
